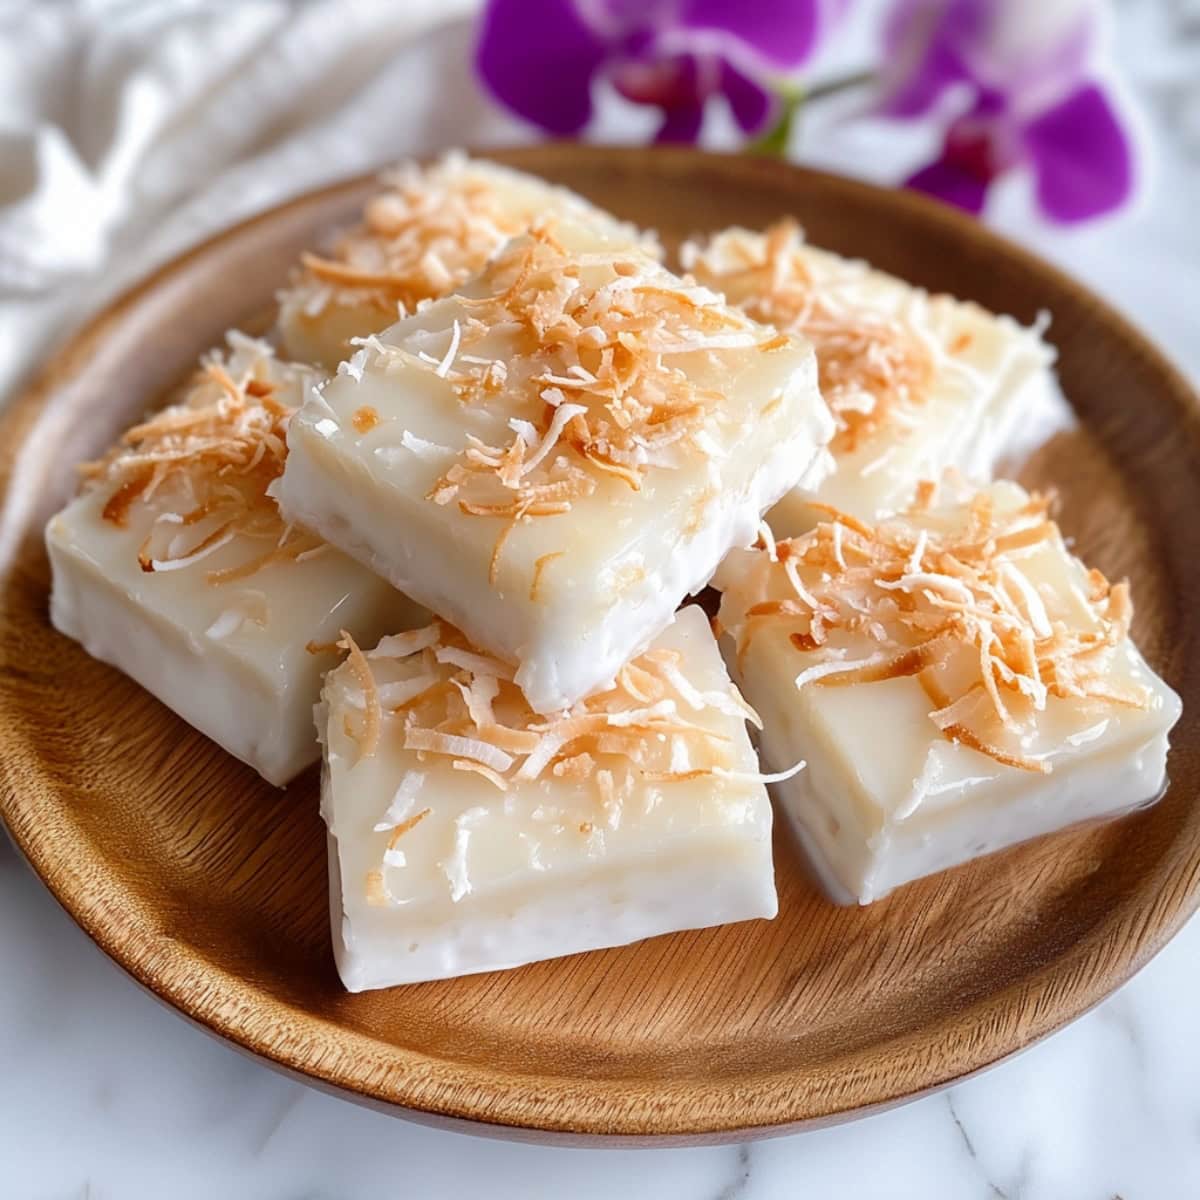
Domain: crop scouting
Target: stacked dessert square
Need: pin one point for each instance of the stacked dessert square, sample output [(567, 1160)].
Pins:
[(505, 446)]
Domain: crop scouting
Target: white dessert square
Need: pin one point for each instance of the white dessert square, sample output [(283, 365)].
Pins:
[(468, 834), (554, 459), (917, 383), (955, 679), (174, 565), (426, 232)]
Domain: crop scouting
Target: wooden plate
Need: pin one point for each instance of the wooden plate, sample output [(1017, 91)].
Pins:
[(208, 886)]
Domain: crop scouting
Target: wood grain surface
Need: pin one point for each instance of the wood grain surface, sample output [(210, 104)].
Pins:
[(208, 885)]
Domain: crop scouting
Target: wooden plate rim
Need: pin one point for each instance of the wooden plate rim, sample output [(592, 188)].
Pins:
[(417, 1083)]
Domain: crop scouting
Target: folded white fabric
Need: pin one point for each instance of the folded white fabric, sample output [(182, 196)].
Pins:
[(128, 132)]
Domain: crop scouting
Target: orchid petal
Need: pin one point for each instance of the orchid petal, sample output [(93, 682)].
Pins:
[(915, 94), (1081, 155), (1028, 45), (919, 57), (681, 124), (538, 58), (952, 184), (750, 103), (920, 60), (781, 32)]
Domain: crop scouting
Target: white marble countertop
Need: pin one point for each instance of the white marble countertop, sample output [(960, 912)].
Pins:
[(106, 1094)]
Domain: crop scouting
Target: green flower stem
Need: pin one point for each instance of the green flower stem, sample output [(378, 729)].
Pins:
[(792, 99), (841, 83)]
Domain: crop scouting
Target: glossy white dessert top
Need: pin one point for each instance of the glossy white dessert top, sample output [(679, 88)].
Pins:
[(554, 459), (427, 231), (917, 383), (955, 678), (469, 834), (174, 565)]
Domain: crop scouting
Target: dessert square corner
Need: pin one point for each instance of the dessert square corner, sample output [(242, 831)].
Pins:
[(469, 834), (422, 234), (863, 648), (917, 383), (173, 565), (553, 459)]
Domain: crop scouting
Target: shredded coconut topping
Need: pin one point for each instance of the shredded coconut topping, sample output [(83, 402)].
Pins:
[(207, 466), (941, 596), (426, 232), (470, 714), (873, 369), (594, 376)]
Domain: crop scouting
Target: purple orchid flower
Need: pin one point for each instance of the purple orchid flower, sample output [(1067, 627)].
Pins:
[(542, 57), (1027, 70)]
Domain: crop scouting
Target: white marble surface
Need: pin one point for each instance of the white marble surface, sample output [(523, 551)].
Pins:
[(104, 1093)]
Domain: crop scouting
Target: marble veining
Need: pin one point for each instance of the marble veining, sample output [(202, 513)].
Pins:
[(107, 1095)]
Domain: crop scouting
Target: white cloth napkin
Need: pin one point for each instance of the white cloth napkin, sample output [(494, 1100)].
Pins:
[(129, 131)]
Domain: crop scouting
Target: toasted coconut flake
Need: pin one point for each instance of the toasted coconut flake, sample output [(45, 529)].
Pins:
[(211, 458), (368, 738), (679, 776), (637, 680), (594, 375), (898, 666), (406, 825), (539, 759), (478, 694), (424, 449), (377, 896), (730, 703), (455, 867), (473, 662), (402, 645), (832, 669), (955, 732), (209, 545), (766, 541), (925, 495), (365, 419), (498, 550), (872, 370), (539, 567), (941, 600), (294, 547), (116, 510), (395, 696), (349, 276), (574, 766), (761, 776), (402, 802), (443, 367), (456, 746), (492, 776), (463, 707), (422, 236), (1098, 586)]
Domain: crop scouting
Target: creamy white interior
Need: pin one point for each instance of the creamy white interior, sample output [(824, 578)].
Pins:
[(988, 373), (200, 648), (530, 882), (885, 799), (854, 825), (625, 558), (316, 321)]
